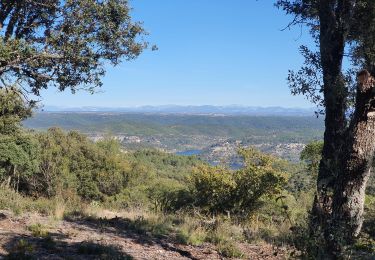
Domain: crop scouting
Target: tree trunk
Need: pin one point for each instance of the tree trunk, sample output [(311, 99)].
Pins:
[(332, 43), (349, 196)]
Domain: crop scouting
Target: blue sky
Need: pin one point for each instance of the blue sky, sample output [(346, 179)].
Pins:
[(216, 52)]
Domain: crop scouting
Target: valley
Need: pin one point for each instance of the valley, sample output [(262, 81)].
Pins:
[(213, 138)]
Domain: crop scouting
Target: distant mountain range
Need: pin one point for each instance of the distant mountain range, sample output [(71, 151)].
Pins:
[(199, 110)]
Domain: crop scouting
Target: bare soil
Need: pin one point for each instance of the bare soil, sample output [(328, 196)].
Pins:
[(105, 238)]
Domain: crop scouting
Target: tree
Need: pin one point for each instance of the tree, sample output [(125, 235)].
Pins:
[(64, 43), (18, 149), (13, 109), (312, 154), (341, 28)]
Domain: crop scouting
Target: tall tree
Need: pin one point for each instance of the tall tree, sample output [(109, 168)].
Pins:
[(55, 43), (64, 43), (341, 28)]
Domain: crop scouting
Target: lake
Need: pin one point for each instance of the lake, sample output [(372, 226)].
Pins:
[(189, 152)]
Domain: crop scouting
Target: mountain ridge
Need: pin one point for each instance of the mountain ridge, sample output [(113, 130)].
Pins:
[(191, 109)]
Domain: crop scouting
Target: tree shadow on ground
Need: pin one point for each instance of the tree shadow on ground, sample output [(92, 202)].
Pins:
[(60, 244), (22, 247), (140, 231)]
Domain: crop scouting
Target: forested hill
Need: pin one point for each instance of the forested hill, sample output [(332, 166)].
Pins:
[(285, 127), (214, 137)]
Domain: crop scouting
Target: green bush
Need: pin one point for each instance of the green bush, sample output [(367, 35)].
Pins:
[(69, 161), (213, 188), (168, 195), (38, 230), (220, 190)]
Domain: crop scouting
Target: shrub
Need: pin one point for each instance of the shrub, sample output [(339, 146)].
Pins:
[(70, 161), (229, 249), (38, 230), (213, 188), (17, 203), (168, 195), (220, 190)]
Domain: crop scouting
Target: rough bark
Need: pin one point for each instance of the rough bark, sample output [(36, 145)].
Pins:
[(332, 43), (349, 196), (336, 216)]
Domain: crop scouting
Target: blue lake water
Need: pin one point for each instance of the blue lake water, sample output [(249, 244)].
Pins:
[(233, 165), (190, 152)]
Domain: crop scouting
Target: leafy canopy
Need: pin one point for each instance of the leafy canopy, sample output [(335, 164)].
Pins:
[(359, 25), (13, 109), (18, 149), (64, 44), (312, 154)]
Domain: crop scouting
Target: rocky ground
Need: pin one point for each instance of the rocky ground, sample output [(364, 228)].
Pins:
[(33, 236)]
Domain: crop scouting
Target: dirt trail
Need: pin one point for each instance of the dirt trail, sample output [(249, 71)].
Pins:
[(102, 239)]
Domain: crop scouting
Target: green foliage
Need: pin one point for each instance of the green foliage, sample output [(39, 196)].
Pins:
[(358, 40), (19, 158), (311, 155), (219, 190), (64, 43), (150, 164), (18, 203), (72, 162), (191, 234), (168, 195), (157, 180), (18, 149), (57, 163), (229, 249), (305, 176), (38, 230), (260, 178), (214, 188), (13, 109)]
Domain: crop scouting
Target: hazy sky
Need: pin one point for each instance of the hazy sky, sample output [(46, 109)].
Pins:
[(216, 52)]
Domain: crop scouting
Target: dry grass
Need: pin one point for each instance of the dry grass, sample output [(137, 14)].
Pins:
[(60, 209)]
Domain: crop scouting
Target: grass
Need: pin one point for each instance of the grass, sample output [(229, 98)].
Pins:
[(187, 229), (38, 230), (183, 227), (229, 250), (57, 208), (19, 204)]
